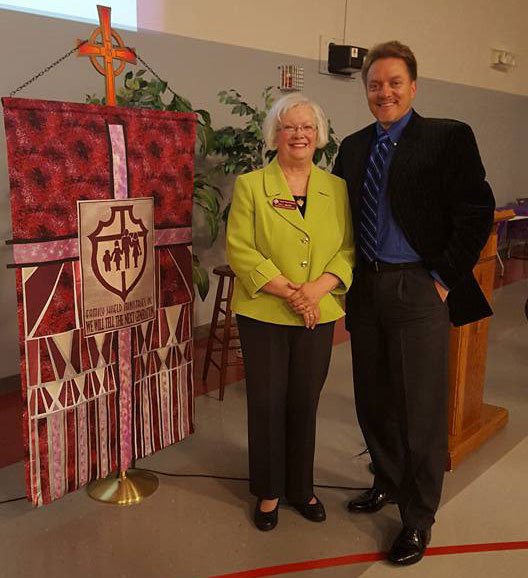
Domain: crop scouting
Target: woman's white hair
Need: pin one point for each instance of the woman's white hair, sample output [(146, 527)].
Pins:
[(273, 119)]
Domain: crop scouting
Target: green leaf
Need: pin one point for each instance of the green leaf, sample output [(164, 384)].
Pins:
[(181, 103), (208, 200), (207, 137), (212, 223), (206, 116), (92, 99), (202, 181), (200, 278)]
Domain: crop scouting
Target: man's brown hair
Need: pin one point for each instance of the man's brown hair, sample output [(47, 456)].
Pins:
[(391, 49)]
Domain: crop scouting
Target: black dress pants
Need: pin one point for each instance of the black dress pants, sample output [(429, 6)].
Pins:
[(400, 341), (286, 367)]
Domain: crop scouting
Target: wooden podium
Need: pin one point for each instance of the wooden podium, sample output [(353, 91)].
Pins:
[(472, 422)]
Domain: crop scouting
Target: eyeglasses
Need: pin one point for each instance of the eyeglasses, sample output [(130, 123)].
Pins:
[(291, 129)]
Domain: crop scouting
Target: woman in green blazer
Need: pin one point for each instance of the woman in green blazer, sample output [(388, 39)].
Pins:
[(290, 244)]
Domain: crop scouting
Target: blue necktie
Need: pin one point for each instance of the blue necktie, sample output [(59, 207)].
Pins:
[(368, 224)]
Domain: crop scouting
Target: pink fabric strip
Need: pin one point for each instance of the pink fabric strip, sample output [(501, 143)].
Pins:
[(57, 450), (36, 491), (185, 400), (125, 397), (147, 434), (103, 435), (165, 414), (172, 236), (82, 449), (117, 138), (46, 251)]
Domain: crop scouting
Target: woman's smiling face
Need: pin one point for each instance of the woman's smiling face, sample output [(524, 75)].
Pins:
[(297, 134)]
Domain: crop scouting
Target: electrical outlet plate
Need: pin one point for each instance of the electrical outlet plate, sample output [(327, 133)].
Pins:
[(324, 43)]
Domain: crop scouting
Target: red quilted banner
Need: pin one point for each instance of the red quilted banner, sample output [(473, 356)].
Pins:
[(104, 309)]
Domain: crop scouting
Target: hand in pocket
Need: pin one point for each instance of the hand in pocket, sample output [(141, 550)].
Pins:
[(442, 291)]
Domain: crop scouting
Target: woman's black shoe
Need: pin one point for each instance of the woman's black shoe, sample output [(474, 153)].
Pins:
[(313, 512), (266, 521)]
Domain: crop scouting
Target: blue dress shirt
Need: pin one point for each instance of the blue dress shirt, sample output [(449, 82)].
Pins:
[(392, 246)]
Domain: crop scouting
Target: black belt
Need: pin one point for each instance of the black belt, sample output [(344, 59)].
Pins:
[(381, 266)]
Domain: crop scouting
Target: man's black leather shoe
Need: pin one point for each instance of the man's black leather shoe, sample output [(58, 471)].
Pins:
[(266, 521), (409, 547), (313, 512), (369, 502)]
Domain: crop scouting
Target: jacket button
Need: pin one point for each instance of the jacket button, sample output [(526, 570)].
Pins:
[(305, 240), (304, 263)]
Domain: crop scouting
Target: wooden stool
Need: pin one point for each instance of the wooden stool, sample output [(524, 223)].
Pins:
[(226, 336)]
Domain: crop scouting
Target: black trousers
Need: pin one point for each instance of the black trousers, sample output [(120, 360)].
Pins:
[(286, 367), (399, 330)]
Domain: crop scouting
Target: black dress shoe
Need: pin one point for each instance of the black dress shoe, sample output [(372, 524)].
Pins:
[(409, 547), (369, 502), (266, 521), (313, 512)]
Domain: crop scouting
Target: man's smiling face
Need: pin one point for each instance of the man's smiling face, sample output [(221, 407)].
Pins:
[(390, 90)]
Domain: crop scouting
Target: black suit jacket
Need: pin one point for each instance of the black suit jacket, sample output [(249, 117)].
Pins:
[(439, 198)]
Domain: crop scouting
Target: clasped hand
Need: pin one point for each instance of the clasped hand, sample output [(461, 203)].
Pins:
[(303, 298), (305, 301)]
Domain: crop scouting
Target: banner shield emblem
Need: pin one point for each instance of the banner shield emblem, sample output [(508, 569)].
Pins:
[(119, 251)]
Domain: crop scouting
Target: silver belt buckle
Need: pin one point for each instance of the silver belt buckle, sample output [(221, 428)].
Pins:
[(376, 266)]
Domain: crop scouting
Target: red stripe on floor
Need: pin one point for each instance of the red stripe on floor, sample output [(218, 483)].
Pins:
[(469, 548), (308, 565), (370, 557)]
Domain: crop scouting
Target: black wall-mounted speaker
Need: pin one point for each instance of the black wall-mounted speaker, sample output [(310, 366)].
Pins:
[(344, 59)]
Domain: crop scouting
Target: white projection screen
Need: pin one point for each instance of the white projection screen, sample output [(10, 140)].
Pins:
[(124, 12)]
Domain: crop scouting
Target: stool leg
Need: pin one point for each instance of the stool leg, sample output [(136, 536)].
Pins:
[(226, 337), (212, 329)]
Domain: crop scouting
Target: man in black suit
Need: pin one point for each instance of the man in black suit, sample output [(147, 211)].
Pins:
[(423, 212)]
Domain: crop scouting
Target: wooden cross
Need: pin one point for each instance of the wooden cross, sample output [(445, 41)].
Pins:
[(106, 49)]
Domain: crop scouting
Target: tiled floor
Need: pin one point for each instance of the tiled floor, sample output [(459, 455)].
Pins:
[(198, 528)]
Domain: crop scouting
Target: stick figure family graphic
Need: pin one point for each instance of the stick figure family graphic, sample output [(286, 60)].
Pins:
[(128, 245)]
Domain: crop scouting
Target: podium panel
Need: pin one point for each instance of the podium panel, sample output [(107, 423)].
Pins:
[(471, 421)]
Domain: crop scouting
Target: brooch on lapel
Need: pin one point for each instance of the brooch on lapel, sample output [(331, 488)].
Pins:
[(285, 204)]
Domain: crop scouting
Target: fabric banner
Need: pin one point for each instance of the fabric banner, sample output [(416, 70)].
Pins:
[(101, 203)]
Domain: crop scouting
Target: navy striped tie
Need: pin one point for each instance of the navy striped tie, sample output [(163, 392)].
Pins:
[(368, 225)]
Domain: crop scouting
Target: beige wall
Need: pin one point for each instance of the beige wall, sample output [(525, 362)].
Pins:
[(452, 38)]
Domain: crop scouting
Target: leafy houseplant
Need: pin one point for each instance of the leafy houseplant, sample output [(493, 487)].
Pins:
[(140, 93)]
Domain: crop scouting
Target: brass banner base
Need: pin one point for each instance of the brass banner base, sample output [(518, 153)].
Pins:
[(126, 488)]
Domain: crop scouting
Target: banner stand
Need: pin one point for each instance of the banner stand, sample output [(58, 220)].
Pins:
[(129, 486)]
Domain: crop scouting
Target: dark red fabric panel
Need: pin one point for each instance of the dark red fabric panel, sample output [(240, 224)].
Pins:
[(53, 134)]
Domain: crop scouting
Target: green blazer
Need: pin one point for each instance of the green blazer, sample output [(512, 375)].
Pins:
[(267, 236)]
